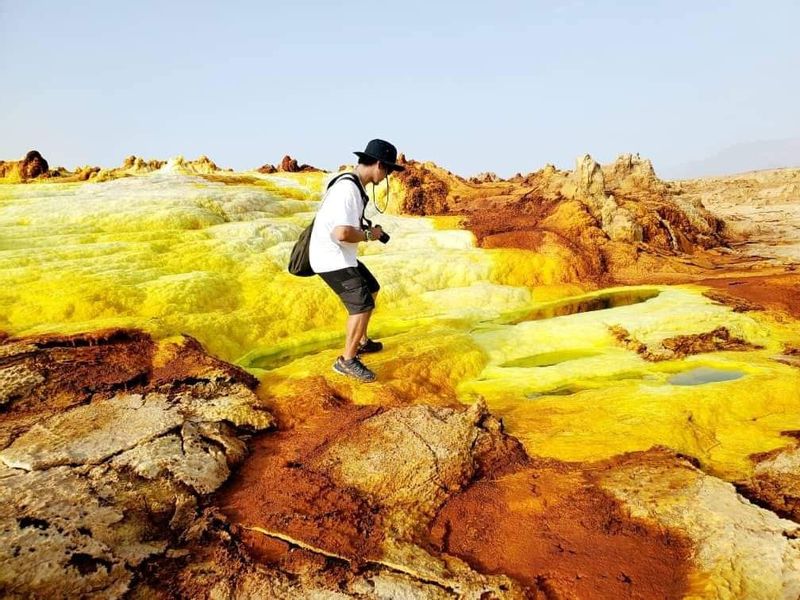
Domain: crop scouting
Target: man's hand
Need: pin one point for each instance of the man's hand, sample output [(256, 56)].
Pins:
[(376, 232)]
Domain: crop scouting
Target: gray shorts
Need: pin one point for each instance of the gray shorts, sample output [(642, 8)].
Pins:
[(354, 286)]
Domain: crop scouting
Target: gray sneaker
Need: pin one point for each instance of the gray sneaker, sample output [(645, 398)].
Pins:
[(354, 368), (369, 347)]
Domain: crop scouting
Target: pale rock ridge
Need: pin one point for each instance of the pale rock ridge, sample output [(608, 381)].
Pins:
[(632, 171), (742, 551), (587, 184), (201, 166), (131, 166), (442, 439), (484, 177)]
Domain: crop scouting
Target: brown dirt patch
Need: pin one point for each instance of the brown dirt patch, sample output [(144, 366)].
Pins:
[(275, 491), (718, 340), (76, 367), (552, 528), (711, 341), (780, 291), (188, 362), (736, 303)]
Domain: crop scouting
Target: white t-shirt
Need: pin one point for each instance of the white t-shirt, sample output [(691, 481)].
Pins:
[(342, 205)]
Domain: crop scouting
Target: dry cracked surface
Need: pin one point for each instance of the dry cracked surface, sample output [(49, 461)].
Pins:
[(143, 469), (109, 441)]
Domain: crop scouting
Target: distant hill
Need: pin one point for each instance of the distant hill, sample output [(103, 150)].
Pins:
[(749, 156)]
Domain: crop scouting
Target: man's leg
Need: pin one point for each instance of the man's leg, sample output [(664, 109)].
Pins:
[(364, 335), (356, 329)]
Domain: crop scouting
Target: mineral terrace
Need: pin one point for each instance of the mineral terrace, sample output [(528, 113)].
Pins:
[(590, 387)]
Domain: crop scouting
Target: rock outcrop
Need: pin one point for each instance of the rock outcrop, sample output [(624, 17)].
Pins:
[(587, 185), (133, 165), (605, 223), (32, 166), (287, 165), (109, 442), (202, 166), (775, 481), (630, 172), (485, 177)]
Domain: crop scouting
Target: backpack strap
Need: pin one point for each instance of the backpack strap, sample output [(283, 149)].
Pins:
[(364, 197)]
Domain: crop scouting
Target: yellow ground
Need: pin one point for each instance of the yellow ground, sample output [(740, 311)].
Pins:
[(176, 253)]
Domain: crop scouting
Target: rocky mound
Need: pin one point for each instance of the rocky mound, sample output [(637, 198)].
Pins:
[(287, 165), (135, 165), (609, 222), (30, 167), (33, 166), (201, 166)]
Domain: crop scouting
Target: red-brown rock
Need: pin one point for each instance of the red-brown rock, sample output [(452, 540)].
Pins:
[(30, 167), (33, 165)]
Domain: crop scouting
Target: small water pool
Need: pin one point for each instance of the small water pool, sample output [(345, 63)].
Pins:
[(548, 359), (600, 302), (702, 375)]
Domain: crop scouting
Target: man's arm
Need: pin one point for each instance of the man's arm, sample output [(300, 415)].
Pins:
[(346, 233)]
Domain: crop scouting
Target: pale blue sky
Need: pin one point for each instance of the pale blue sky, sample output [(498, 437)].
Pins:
[(501, 86)]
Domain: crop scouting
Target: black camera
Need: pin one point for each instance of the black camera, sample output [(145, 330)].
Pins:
[(384, 239)]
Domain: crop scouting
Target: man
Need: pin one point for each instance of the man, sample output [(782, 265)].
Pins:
[(337, 231)]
